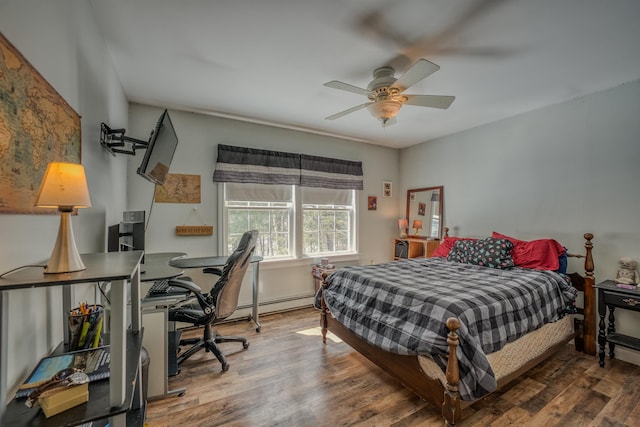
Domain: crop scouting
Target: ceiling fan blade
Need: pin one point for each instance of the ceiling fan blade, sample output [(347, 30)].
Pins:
[(346, 86), (418, 71), (433, 101), (350, 110)]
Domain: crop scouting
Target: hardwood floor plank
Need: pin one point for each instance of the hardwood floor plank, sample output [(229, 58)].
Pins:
[(287, 377), (585, 410)]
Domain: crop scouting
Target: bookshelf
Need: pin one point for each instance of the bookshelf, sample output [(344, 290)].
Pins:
[(118, 399)]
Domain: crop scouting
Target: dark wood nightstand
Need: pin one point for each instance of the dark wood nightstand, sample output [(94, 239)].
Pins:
[(610, 296)]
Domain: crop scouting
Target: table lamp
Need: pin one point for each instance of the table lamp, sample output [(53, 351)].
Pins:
[(417, 224), (64, 186), (403, 225)]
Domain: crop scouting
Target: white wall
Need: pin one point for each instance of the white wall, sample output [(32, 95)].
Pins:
[(61, 41), (557, 172), (199, 136)]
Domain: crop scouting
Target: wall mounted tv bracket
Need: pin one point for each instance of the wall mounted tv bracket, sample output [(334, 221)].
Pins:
[(115, 141)]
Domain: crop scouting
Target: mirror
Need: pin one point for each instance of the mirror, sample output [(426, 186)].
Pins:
[(424, 207)]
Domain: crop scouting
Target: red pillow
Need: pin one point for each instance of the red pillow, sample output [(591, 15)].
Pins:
[(539, 254), (445, 247)]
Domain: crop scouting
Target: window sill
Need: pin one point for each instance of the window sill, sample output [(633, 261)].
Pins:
[(306, 261)]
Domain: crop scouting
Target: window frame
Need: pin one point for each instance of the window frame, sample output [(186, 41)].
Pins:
[(296, 236)]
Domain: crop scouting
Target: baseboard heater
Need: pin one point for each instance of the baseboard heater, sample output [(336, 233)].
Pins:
[(278, 301)]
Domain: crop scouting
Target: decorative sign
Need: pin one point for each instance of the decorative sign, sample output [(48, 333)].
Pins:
[(37, 126), (179, 188), (194, 230)]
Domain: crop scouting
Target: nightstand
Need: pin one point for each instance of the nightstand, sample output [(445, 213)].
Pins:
[(610, 296)]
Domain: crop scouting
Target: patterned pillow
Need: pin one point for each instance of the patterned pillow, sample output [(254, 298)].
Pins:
[(444, 248), (489, 252)]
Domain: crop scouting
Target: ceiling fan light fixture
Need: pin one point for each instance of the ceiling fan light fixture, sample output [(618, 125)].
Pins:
[(385, 110), (385, 93)]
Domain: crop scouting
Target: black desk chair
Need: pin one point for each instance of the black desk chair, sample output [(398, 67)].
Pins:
[(207, 309)]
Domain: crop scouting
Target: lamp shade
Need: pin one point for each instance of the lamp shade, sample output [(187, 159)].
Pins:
[(64, 186), (403, 223), (417, 224)]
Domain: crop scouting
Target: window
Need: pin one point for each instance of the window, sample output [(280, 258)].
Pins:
[(293, 221), (327, 221), (272, 220), (266, 208), (435, 218)]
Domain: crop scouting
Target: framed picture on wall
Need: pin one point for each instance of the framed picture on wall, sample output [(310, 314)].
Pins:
[(386, 189), (372, 203), (422, 208)]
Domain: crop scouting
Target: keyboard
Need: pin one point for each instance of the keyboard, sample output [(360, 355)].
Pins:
[(159, 287)]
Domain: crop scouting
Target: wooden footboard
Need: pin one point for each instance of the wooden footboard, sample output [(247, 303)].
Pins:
[(408, 371), (587, 284)]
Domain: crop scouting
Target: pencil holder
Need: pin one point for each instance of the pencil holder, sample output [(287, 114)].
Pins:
[(85, 327)]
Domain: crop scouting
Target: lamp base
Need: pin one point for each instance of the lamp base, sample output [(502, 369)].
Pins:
[(64, 257)]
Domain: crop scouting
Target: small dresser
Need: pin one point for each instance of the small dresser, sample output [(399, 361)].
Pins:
[(611, 297)]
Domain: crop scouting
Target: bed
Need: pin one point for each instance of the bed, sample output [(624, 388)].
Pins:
[(487, 323)]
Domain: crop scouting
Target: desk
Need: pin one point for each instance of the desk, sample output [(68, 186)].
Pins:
[(156, 266), (219, 261), (158, 340), (113, 398)]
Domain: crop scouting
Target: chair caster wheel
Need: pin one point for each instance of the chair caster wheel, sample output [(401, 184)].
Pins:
[(245, 345)]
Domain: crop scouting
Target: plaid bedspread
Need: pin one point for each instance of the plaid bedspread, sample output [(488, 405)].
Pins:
[(402, 307)]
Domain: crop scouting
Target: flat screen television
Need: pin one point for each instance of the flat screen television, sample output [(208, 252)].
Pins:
[(160, 149)]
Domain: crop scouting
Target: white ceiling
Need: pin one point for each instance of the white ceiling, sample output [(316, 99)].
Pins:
[(266, 60)]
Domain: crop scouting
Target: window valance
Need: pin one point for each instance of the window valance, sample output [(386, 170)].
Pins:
[(240, 164), (252, 165)]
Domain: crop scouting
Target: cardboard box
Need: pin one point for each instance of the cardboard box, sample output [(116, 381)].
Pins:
[(66, 398)]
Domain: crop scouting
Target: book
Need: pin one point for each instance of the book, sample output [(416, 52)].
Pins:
[(92, 361), (60, 399)]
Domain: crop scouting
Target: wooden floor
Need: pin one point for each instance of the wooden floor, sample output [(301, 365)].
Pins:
[(287, 377)]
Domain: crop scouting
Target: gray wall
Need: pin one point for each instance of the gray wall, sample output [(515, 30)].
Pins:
[(60, 40), (557, 172)]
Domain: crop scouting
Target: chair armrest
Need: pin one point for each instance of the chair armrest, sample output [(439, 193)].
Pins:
[(213, 270), (205, 305), (186, 284)]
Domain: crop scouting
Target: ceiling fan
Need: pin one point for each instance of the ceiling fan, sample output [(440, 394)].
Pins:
[(411, 44), (386, 93)]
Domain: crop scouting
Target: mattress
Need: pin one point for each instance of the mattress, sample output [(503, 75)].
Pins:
[(516, 354)]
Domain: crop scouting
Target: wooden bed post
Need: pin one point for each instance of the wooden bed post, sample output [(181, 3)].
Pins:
[(324, 310), (451, 411), (589, 299)]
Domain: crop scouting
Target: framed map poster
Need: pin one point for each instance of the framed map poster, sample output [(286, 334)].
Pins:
[(37, 126), (179, 188)]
